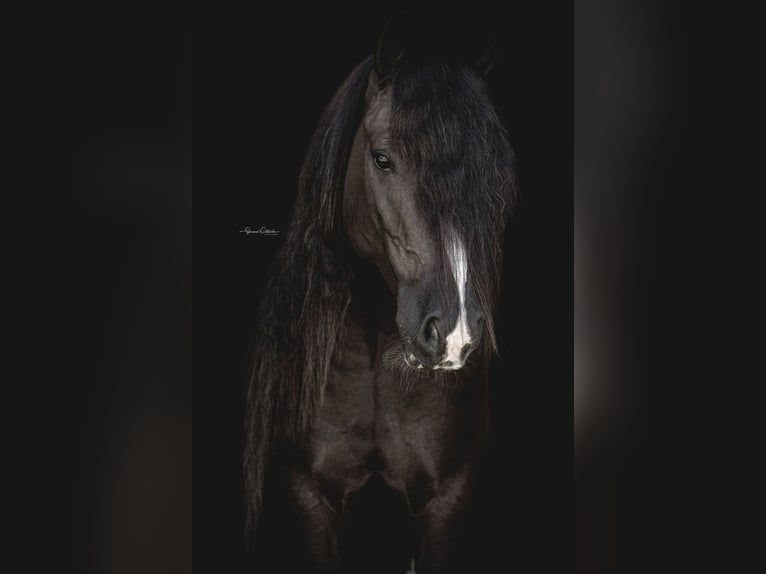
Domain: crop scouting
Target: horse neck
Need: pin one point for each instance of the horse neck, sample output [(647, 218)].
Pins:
[(370, 322)]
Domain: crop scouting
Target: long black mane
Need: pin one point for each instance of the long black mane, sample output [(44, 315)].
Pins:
[(442, 118), (444, 123)]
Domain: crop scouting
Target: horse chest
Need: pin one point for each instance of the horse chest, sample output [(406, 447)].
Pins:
[(370, 422)]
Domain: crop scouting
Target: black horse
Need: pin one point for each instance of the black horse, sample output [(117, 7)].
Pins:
[(368, 400)]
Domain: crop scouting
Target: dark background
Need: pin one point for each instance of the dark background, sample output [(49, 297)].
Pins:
[(97, 225), (267, 79)]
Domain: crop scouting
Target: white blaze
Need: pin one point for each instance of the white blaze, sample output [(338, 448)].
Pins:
[(460, 335)]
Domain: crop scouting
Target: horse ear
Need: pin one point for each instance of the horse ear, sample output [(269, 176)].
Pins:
[(485, 59), (391, 46), (447, 35)]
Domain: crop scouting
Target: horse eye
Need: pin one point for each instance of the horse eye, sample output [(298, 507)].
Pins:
[(381, 161)]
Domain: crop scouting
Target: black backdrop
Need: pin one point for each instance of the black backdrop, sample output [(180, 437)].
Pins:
[(264, 82)]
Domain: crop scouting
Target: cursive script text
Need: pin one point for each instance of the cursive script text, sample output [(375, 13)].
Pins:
[(261, 231)]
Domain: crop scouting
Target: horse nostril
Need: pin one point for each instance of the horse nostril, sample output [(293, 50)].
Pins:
[(429, 338), (432, 333)]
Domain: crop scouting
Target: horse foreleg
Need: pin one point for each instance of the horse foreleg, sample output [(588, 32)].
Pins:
[(440, 525), (316, 526)]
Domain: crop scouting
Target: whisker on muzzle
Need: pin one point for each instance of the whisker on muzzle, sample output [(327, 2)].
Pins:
[(395, 361)]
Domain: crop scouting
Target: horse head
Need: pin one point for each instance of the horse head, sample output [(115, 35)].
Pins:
[(426, 188)]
